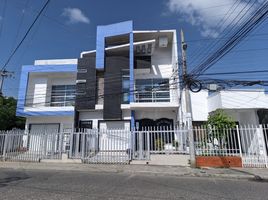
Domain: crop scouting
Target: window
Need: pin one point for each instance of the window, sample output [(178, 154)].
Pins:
[(152, 90), (62, 95), (125, 87), (85, 124)]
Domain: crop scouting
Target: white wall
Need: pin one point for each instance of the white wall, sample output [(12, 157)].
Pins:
[(241, 105), (115, 125), (238, 100), (199, 106), (243, 116), (95, 116), (214, 102), (36, 91), (55, 62)]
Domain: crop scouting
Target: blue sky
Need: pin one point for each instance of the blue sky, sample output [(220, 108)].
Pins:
[(68, 27)]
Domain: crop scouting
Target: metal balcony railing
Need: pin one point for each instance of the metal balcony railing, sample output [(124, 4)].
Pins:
[(152, 96)]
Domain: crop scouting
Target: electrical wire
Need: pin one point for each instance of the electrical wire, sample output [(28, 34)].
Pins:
[(243, 31), (26, 34)]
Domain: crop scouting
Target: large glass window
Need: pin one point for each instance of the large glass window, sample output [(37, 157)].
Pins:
[(152, 90), (125, 87), (62, 95)]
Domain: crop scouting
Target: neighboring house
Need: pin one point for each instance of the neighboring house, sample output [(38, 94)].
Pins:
[(129, 80), (47, 95), (245, 106)]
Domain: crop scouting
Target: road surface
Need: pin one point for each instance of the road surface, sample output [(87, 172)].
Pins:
[(65, 185)]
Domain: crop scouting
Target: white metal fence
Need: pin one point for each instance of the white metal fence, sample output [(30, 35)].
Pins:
[(248, 142), (159, 140), (120, 146), (216, 142), (101, 146), (18, 145), (254, 145)]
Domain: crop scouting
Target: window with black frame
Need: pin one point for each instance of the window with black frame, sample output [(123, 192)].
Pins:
[(125, 86), (152, 90), (62, 95)]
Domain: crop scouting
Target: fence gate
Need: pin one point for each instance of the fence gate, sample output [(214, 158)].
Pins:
[(101, 146), (254, 145), (18, 145), (159, 140)]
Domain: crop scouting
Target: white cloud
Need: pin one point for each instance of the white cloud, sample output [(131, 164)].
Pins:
[(75, 15), (210, 16)]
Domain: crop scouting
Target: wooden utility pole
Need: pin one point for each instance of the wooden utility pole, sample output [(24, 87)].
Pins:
[(188, 102)]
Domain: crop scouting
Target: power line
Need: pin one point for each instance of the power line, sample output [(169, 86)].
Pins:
[(26, 34), (20, 24), (234, 22), (236, 72), (237, 37), (219, 25)]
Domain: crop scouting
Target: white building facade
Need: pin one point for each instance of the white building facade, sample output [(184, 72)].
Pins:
[(130, 80), (47, 95), (244, 106)]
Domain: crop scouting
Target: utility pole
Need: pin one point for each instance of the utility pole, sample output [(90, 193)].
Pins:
[(4, 74), (188, 102)]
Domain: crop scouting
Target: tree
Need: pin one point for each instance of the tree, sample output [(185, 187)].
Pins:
[(8, 118), (220, 120), (219, 127)]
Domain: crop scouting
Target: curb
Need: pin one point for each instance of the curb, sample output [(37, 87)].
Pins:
[(154, 170)]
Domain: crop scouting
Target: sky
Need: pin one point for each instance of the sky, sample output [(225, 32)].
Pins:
[(68, 27)]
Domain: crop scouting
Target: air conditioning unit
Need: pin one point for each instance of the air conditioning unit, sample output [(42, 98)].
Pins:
[(163, 41)]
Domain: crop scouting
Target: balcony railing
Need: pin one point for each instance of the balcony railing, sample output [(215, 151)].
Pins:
[(152, 96)]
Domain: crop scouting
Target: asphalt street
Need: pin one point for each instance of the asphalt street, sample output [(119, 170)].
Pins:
[(47, 184)]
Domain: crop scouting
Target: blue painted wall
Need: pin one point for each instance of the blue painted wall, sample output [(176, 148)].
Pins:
[(114, 30), (108, 31)]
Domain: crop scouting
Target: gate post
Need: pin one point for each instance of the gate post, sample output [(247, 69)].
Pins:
[(71, 144), (239, 142), (83, 138), (131, 144), (148, 145), (45, 145), (140, 145), (264, 146), (61, 137), (5, 147)]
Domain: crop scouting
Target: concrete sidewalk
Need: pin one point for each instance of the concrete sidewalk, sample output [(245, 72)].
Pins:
[(236, 173)]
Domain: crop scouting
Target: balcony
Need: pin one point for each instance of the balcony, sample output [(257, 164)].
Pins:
[(152, 90), (152, 96)]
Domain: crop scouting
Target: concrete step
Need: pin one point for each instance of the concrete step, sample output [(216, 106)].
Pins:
[(108, 157), (165, 159)]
